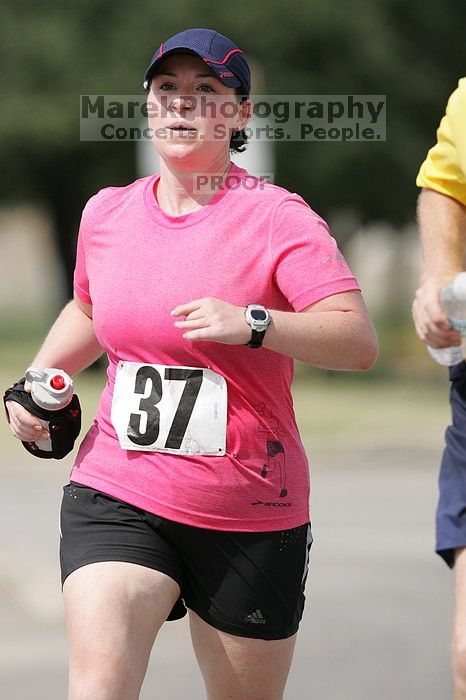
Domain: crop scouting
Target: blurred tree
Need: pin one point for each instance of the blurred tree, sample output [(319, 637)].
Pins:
[(51, 52)]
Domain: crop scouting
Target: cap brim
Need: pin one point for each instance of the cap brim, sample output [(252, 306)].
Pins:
[(217, 70)]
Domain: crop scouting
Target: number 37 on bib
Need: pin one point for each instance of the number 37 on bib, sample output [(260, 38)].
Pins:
[(180, 410)]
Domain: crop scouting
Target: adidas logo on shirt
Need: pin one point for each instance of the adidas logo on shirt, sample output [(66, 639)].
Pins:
[(256, 618)]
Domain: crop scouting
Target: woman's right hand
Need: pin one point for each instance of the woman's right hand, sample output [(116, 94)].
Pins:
[(23, 424)]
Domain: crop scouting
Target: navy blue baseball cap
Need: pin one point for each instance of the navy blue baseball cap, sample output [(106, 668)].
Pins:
[(224, 58)]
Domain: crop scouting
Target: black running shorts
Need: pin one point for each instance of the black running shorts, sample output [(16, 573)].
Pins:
[(246, 584)]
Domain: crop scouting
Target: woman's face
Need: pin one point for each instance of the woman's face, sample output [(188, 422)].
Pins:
[(192, 114)]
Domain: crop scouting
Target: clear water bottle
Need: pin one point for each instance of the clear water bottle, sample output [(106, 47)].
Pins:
[(453, 301), (51, 389)]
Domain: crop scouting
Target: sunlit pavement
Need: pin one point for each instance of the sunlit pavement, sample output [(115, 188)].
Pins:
[(376, 625)]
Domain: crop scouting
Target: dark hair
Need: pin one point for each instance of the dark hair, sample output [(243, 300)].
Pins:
[(239, 139)]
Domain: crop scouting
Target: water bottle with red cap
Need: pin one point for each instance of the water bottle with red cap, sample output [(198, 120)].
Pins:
[(52, 390)]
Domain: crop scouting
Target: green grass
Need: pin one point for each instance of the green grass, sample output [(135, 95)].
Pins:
[(387, 414)]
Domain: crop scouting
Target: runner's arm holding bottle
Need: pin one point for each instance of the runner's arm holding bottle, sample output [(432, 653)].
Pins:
[(70, 345), (442, 230), (441, 214)]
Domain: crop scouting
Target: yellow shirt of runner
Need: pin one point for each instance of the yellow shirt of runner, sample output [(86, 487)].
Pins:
[(444, 168)]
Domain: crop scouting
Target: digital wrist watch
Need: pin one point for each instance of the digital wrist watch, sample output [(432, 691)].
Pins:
[(258, 318)]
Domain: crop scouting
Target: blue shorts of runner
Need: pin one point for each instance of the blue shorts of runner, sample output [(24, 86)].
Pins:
[(249, 584), (451, 510)]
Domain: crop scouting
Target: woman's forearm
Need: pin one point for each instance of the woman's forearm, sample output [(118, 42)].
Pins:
[(339, 340), (71, 343), (335, 333)]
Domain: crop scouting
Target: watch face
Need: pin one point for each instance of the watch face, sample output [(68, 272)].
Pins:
[(258, 315)]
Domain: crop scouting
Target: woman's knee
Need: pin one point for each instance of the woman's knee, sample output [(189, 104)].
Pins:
[(113, 611), (241, 668), (105, 682)]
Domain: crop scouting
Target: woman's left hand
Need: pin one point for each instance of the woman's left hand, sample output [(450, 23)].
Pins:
[(213, 319)]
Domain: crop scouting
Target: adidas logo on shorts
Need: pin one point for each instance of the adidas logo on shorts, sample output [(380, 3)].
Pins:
[(255, 617)]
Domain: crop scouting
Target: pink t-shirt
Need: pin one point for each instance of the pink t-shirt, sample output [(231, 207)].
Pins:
[(252, 243)]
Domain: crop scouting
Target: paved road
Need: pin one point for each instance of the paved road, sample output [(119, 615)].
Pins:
[(377, 621)]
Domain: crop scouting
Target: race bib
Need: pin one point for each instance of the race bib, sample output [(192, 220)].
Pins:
[(181, 410)]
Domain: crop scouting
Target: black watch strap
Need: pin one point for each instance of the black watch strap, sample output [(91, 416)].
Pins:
[(256, 338)]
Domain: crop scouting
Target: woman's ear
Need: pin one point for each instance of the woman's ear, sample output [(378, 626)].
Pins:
[(245, 113)]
